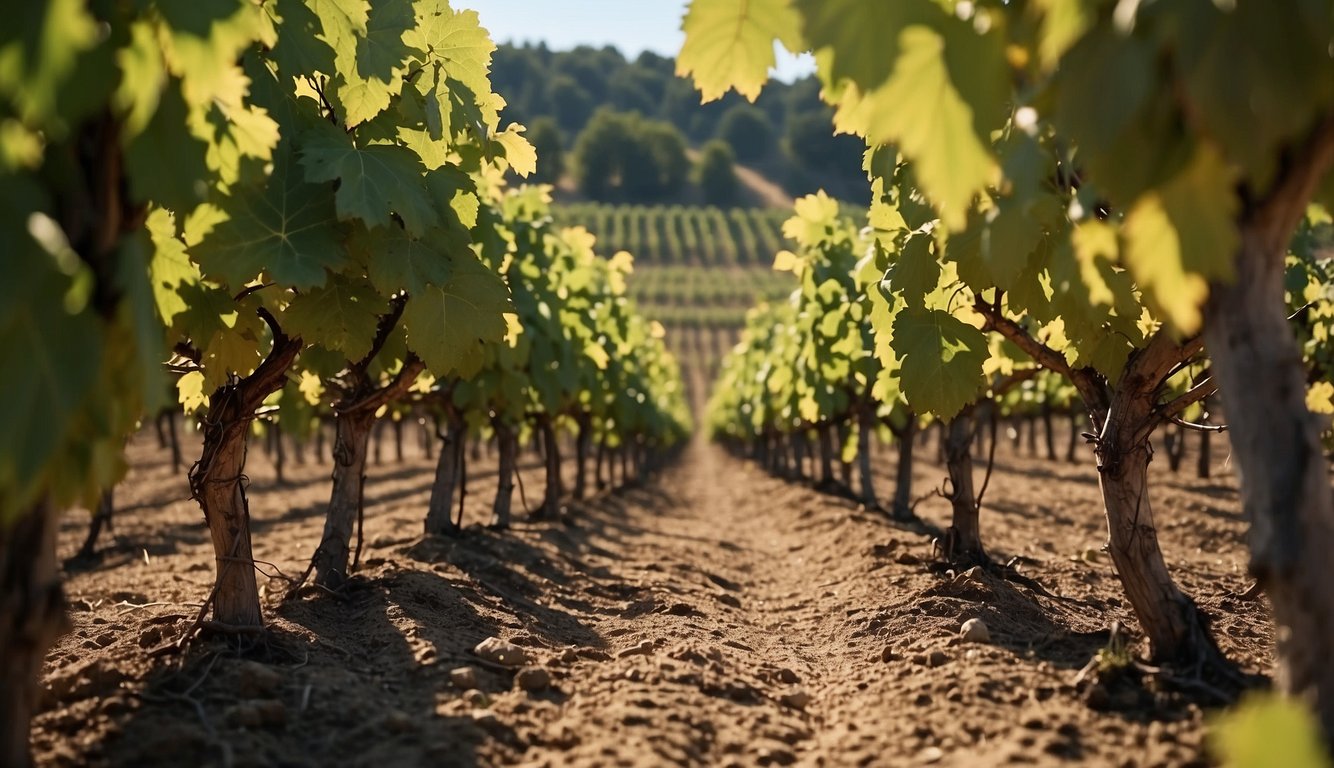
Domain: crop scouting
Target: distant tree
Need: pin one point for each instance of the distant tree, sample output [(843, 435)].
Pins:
[(716, 175), (623, 156), (545, 136), (572, 104), (748, 131)]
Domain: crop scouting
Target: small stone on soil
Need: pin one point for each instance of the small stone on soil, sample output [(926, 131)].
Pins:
[(475, 697), (256, 680), (643, 649), (533, 679), (937, 658), (788, 676), (498, 651), (975, 631), (463, 678), (797, 698)]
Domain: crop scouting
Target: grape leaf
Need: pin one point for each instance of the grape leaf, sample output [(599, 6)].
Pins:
[(283, 227), (730, 44), (40, 44), (373, 182), (342, 314), (941, 360), (450, 324)]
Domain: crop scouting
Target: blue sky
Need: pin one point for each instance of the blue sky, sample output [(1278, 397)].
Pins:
[(630, 25)]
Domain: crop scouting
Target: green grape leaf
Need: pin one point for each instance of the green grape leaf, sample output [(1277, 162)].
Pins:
[(941, 360), (936, 108), (1266, 729), (456, 42), (1182, 235), (50, 359), (342, 315), (730, 44), (450, 324), (859, 39), (281, 226), (915, 272), (373, 182), (1257, 78), (371, 72), (520, 155), (396, 261), (169, 267), (40, 44), (165, 143)]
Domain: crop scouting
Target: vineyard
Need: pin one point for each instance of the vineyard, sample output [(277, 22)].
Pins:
[(324, 441)]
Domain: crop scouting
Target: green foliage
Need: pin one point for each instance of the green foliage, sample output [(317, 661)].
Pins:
[(716, 175), (624, 155), (546, 138), (748, 132), (1265, 730)]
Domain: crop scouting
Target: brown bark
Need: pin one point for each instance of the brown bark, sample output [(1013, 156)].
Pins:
[(354, 420), (902, 508), (32, 616), (865, 425), (448, 470), (352, 431), (1285, 485), (102, 516), (551, 497), (964, 536), (582, 442), (217, 480), (508, 445)]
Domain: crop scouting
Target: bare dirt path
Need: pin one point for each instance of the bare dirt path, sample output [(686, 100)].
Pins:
[(716, 616)]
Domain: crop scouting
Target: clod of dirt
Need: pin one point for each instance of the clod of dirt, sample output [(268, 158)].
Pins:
[(475, 698), (256, 680), (797, 698), (533, 679), (975, 631), (643, 649), (261, 713), (569, 656), (463, 678), (498, 651), (907, 558), (887, 654), (398, 721), (788, 676), (729, 600), (937, 658)]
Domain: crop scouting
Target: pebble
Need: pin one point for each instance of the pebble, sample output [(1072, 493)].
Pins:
[(797, 698), (937, 658), (475, 697), (257, 680), (788, 676), (463, 678), (975, 631), (931, 755), (643, 649), (261, 713), (533, 679), (498, 651)]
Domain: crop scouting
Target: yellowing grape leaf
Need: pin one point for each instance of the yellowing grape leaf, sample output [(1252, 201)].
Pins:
[(1182, 235), (730, 44)]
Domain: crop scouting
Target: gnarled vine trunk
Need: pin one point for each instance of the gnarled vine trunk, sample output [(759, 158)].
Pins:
[(551, 497), (964, 536), (217, 481), (582, 442), (825, 432), (354, 421), (32, 616), (448, 470), (1285, 485), (508, 445), (865, 425), (352, 431), (902, 508)]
